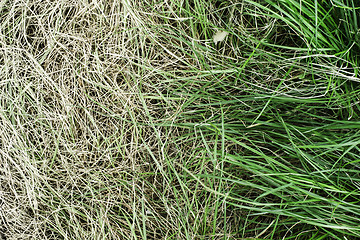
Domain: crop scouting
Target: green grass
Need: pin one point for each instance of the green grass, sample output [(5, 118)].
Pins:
[(123, 119)]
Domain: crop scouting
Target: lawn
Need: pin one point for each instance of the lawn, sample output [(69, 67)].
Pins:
[(182, 119)]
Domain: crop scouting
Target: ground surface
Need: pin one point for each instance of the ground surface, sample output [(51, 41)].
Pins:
[(128, 120)]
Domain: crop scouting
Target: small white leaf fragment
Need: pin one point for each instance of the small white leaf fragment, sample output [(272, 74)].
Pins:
[(219, 36)]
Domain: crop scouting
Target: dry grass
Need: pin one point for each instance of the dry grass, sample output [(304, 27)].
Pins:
[(80, 156)]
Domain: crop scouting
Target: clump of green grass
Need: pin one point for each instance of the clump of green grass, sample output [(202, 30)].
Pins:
[(124, 120)]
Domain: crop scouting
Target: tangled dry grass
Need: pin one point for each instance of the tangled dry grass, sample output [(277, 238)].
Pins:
[(80, 155)]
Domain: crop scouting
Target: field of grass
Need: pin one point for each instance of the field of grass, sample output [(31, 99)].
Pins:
[(123, 119)]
